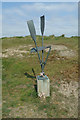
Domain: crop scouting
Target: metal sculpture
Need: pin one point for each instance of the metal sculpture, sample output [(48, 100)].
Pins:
[(42, 48), (42, 80)]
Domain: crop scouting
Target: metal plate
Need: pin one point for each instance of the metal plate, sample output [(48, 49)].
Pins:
[(32, 29), (42, 24)]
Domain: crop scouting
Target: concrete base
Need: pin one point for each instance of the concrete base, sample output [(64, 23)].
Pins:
[(43, 86)]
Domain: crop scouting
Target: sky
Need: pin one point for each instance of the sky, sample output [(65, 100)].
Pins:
[(60, 18), (40, 0)]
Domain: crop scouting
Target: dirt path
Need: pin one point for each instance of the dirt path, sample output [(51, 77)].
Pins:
[(20, 51)]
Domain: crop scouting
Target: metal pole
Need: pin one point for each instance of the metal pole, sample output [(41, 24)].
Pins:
[(42, 54), (38, 53), (47, 57)]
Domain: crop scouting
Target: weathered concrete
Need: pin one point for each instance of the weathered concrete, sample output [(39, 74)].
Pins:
[(43, 86)]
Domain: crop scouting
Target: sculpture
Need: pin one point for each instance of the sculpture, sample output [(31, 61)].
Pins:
[(42, 76)]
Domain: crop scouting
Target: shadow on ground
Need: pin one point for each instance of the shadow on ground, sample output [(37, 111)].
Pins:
[(29, 76), (32, 76)]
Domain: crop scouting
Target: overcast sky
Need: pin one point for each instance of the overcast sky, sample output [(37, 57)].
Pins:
[(61, 18)]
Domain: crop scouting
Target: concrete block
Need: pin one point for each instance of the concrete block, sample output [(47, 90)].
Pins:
[(43, 86)]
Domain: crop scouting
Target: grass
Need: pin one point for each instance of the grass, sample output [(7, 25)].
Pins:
[(19, 81)]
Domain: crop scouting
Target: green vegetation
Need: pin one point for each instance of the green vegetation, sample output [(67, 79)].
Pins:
[(19, 82)]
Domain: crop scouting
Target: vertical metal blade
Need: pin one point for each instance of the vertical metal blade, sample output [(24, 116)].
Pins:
[(42, 24), (32, 29), (33, 35)]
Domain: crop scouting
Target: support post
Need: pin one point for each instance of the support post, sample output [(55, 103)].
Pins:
[(43, 86)]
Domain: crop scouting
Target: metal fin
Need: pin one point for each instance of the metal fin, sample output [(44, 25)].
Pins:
[(42, 24), (32, 29)]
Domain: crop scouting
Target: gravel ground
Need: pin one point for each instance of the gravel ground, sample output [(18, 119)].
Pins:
[(69, 102), (63, 51)]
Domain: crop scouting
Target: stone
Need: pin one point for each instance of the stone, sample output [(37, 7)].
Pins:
[(43, 86)]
